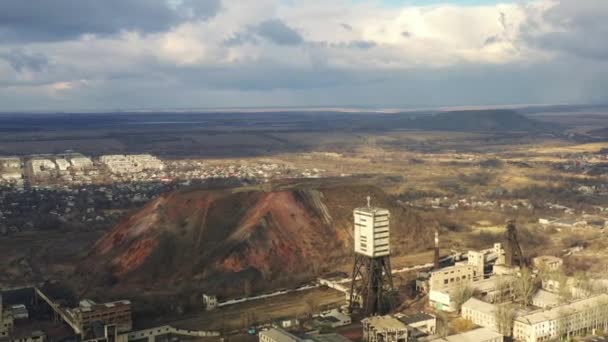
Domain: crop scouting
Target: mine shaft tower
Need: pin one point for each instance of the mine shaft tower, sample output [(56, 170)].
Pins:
[(513, 252), (372, 261)]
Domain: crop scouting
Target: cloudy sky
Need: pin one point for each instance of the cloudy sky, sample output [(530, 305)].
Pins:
[(160, 54)]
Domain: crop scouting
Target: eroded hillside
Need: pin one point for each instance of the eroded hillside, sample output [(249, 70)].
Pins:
[(218, 237)]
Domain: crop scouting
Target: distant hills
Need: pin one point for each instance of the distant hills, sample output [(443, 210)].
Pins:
[(479, 120)]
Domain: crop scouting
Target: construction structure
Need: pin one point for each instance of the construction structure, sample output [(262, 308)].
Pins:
[(384, 329), (116, 314), (514, 256), (372, 267)]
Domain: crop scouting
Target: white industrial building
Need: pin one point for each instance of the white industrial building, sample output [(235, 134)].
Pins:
[(477, 335), (418, 324), (573, 319), (372, 231), (480, 313)]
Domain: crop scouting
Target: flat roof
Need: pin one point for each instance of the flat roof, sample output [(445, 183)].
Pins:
[(558, 311), (279, 335), (479, 305), (415, 318), (372, 210), (477, 335), (385, 323)]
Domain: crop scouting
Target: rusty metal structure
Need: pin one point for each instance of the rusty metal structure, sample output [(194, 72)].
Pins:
[(513, 252)]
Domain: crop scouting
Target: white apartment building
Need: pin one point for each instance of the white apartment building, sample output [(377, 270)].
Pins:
[(573, 319), (131, 163), (480, 313)]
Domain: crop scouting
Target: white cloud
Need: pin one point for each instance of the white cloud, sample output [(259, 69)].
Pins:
[(254, 50)]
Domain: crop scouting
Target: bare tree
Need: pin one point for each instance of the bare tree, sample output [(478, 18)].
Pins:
[(561, 326), (504, 288), (525, 286), (505, 316), (460, 295)]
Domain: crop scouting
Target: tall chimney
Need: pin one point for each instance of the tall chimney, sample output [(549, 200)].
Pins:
[(436, 258)]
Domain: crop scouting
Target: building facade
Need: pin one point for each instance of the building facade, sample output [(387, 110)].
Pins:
[(114, 313), (480, 313), (572, 319)]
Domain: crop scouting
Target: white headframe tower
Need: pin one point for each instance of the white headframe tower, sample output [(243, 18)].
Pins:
[(372, 259)]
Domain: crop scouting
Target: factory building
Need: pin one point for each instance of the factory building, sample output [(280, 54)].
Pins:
[(477, 335), (573, 319), (480, 313), (548, 262), (114, 313), (419, 324), (452, 277), (384, 329)]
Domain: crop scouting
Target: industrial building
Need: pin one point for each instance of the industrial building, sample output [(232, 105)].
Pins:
[(384, 329), (572, 319), (480, 313), (453, 276), (114, 313), (280, 335), (548, 262), (418, 324), (545, 299), (477, 335), (372, 260)]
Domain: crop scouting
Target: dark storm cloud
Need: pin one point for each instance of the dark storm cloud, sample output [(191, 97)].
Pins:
[(581, 29), (278, 32), (22, 60), (23, 20)]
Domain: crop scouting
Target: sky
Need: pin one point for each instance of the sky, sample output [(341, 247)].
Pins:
[(187, 54)]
